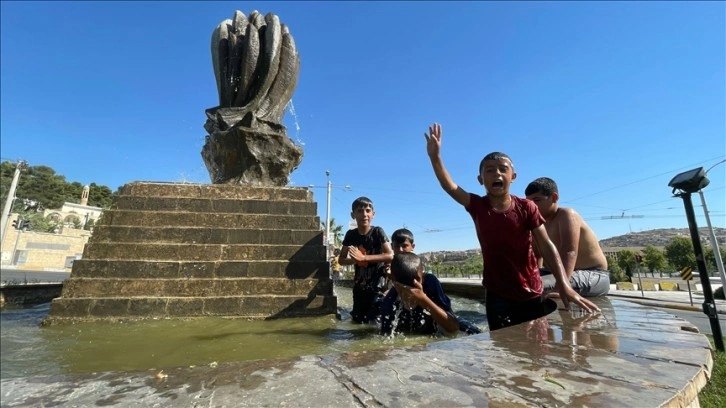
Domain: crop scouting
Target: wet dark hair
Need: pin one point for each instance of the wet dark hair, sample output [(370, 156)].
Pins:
[(494, 156), (362, 202), (401, 235), (544, 185), (405, 267)]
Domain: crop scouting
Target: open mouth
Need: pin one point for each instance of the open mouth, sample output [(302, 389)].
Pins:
[(498, 183)]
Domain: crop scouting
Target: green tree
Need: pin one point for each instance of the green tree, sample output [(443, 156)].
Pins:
[(42, 224), (710, 258), (48, 189), (101, 196), (472, 266), (89, 225), (654, 259), (679, 253), (335, 230), (436, 266), (626, 259), (617, 274)]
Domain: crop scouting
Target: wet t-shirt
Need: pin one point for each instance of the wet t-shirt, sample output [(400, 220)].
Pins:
[(510, 266), (368, 274), (416, 320)]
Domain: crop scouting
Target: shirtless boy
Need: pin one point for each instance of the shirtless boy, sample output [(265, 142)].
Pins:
[(584, 262)]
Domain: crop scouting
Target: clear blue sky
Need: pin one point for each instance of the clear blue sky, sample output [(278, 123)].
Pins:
[(610, 99)]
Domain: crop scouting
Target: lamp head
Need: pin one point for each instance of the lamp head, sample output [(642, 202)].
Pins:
[(689, 181)]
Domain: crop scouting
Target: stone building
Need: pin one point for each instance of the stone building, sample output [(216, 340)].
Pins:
[(51, 251)]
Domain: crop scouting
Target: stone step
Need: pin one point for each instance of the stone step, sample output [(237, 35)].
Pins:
[(214, 191), (210, 220), (129, 288), (240, 206), (202, 252), (204, 235), (65, 310), (293, 269)]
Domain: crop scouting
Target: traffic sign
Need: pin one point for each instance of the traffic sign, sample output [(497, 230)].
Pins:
[(686, 273)]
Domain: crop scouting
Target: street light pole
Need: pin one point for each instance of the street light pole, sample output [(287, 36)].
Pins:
[(9, 201), (327, 218), (714, 243), (712, 236), (686, 183)]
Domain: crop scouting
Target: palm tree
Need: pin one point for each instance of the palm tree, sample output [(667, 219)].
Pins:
[(335, 230)]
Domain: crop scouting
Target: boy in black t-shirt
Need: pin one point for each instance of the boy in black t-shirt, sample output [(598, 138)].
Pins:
[(367, 247)]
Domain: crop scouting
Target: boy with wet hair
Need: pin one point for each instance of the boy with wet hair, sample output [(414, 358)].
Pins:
[(367, 248), (418, 300), (505, 226), (402, 241), (584, 262), (421, 287)]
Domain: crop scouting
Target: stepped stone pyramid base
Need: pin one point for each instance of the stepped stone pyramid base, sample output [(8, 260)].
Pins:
[(166, 250)]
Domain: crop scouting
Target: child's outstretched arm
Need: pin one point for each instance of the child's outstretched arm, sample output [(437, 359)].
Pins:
[(433, 148), (552, 259)]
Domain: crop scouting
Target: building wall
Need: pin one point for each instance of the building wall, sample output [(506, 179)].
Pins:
[(43, 251)]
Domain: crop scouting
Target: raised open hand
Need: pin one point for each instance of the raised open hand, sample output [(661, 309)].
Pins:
[(433, 140)]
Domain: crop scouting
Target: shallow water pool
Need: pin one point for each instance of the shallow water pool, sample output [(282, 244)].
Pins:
[(28, 349)]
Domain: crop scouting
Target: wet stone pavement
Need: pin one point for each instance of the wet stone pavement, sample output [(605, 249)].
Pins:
[(631, 355)]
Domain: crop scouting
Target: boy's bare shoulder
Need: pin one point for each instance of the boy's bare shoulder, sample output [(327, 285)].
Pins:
[(570, 215)]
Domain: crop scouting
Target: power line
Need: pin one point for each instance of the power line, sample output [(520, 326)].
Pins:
[(641, 180)]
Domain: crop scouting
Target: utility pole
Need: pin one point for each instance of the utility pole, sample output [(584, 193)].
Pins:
[(712, 236), (714, 243), (9, 201)]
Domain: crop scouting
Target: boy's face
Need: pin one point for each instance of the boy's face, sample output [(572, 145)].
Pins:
[(363, 216), (496, 176), (547, 204), (405, 246)]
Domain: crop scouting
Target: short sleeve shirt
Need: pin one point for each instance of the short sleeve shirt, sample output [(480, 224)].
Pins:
[(368, 273), (510, 266)]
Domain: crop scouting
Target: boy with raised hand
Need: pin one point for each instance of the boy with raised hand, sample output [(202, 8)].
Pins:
[(584, 262), (505, 225), (367, 248)]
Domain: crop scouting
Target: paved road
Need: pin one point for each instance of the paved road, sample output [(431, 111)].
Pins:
[(678, 303), (698, 319), (22, 276)]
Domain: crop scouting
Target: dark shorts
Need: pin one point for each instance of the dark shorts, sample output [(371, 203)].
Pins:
[(503, 312), (366, 304)]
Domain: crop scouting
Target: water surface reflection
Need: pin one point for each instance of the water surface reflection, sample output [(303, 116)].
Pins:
[(28, 349)]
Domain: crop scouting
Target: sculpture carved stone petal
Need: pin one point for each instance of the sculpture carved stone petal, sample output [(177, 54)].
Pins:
[(255, 66)]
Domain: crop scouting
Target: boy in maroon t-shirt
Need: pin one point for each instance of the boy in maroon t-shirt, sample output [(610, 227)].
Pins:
[(505, 226)]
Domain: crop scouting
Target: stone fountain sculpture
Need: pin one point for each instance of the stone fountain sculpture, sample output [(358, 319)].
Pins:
[(246, 245), (256, 67)]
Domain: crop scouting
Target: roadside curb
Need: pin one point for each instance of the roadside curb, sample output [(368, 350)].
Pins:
[(665, 304)]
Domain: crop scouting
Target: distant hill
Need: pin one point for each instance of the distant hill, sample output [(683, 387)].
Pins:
[(660, 237), (656, 237)]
